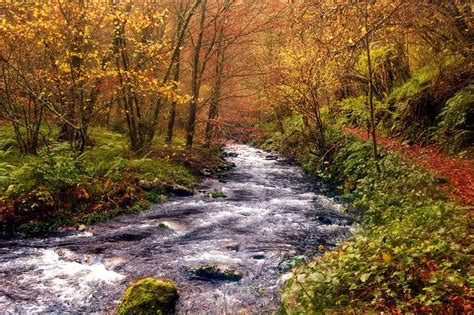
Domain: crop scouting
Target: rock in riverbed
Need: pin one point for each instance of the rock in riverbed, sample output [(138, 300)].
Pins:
[(271, 157), (159, 186), (149, 296), (216, 272), (230, 154), (232, 246)]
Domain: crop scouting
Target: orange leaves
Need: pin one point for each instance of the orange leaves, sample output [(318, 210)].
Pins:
[(82, 194), (460, 172)]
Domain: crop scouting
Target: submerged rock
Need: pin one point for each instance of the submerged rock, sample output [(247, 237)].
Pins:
[(232, 246), (149, 296), (271, 157), (125, 236), (226, 167), (216, 272), (324, 220)]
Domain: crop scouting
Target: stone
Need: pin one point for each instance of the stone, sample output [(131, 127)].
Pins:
[(179, 190), (216, 272), (81, 228), (149, 296), (271, 157), (154, 184), (206, 172), (232, 246), (324, 220), (284, 278), (230, 154)]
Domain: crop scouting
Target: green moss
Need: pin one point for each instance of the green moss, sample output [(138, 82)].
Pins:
[(419, 81), (218, 194), (149, 296)]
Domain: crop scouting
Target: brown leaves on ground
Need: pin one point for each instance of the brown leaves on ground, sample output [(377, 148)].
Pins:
[(459, 171)]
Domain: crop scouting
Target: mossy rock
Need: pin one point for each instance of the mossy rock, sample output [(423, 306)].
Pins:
[(218, 194), (149, 296)]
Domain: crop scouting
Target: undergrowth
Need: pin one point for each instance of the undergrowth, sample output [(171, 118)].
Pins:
[(57, 188), (412, 249)]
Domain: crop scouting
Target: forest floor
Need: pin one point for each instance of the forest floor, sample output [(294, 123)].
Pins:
[(459, 171)]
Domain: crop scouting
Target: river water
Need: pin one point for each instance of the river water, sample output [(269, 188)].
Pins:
[(270, 218)]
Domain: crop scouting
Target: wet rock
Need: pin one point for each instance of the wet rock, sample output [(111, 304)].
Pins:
[(170, 226), (149, 296), (217, 194), (179, 190), (206, 172), (232, 246), (115, 261), (226, 167), (284, 278), (164, 227), (271, 157), (324, 220), (289, 161), (154, 184), (230, 154), (284, 266), (216, 272), (125, 237)]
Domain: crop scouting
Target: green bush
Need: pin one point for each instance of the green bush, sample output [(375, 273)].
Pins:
[(58, 167), (456, 122), (355, 112), (411, 251)]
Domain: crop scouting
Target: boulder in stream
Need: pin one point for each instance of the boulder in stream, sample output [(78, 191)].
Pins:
[(232, 246), (179, 190), (271, 157), (149, 296), (216, 272), (230, 154)]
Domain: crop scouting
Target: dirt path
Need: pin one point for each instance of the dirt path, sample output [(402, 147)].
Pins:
[(460, 172)]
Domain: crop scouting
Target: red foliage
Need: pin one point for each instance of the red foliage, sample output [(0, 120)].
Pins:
[(460, 172)]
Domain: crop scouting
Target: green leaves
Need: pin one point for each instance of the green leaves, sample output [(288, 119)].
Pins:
[(412, 252)]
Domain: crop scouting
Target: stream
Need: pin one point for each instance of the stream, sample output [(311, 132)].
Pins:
[(271, 217)]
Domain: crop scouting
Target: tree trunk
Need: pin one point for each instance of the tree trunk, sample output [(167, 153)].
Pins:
[(371, 93), (196, 81)]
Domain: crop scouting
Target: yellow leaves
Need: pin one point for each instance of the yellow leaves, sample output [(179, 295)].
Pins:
[(386, 257)]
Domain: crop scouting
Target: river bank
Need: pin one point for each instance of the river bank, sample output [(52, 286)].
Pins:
[(60, 190), (404, 258)]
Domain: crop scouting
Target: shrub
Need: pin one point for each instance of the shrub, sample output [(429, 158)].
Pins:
[(456, 122), (404, 259)]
